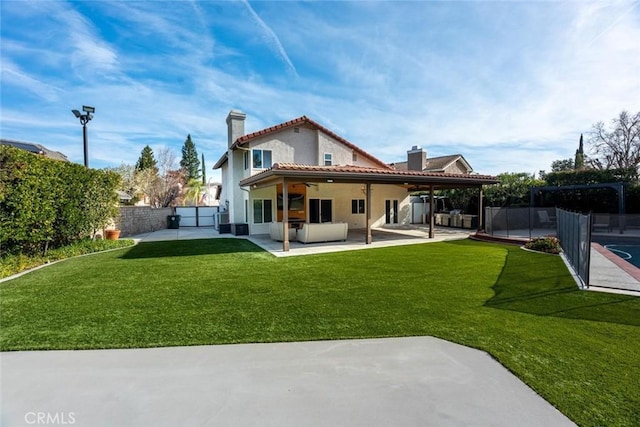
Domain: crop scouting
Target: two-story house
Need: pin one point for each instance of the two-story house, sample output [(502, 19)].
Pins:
[(301, 172)]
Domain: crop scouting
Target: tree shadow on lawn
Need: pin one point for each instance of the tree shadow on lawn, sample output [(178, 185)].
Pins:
[(540, 284), (178, 248)]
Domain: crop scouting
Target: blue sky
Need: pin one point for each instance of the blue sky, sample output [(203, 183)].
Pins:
[(510, 85)]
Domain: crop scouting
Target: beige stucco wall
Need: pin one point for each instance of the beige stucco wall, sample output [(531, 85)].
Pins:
[(288, 146), (232, 173), (307, 147), (341, 196), (302, 146)]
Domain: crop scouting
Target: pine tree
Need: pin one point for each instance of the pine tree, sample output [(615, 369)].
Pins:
[(204, 172), (190, 162), (578, 163), (146, 160)]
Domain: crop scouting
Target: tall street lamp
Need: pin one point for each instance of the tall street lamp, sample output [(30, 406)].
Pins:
[(84, 119)]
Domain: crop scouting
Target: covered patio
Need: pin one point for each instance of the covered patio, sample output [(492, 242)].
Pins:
[(381, 237), (283, 175)]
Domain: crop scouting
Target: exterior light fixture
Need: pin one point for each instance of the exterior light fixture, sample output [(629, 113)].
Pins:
[(84, 119)]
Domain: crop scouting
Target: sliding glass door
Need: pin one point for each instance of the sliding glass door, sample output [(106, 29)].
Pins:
[(391, 211), (320, 210)]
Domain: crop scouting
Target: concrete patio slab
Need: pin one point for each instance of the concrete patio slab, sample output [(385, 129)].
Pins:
[(608, 273), (382, 237), (416, 381)]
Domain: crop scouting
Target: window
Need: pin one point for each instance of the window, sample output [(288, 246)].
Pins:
[(261, 159), (246, 160), (354, 157), (262, 211), (357, 206), (328, 159)]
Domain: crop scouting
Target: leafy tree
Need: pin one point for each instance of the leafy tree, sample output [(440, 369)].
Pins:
[(127, 175), (162, 188), (465, 199), (617, 145), (562, 165), (512, 190), (147, 160), (591, 176), (190, 163)]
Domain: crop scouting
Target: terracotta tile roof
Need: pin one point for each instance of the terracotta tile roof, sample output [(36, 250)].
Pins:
[(293, 167), (360, 169), (305, 120)]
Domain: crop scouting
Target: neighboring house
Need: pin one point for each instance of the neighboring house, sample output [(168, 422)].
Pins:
[(301, 172), (211, 194), (417, 160), (123, 196), (35, 148)]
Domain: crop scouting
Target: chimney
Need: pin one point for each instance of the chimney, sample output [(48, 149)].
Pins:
[(416, 159), (235, 125)]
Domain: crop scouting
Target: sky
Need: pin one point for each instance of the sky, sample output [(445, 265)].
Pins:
[(510, 85)]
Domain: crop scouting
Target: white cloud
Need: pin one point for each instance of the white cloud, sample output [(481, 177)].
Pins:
[(13, 75), (271, 38)]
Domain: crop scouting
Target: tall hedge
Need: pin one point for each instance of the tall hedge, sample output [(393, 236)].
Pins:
[(49, 203)]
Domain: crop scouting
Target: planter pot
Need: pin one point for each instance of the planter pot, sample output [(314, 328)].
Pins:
[(111, 234)]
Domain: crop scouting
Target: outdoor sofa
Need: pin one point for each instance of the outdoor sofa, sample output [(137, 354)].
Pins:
[(325, 232), (276, 232)]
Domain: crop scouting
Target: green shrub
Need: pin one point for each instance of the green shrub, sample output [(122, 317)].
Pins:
[(47, 203), (549, 244), (11, 264)]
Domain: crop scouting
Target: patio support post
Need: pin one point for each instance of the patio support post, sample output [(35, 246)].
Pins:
[(285, 216), (431, 209), (480, 209), (369, 239)]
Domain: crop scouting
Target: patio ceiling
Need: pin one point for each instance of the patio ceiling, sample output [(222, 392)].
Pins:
[(412, 180)]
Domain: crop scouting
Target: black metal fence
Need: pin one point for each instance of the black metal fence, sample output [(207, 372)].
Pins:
[(525, 223), (574, 232)]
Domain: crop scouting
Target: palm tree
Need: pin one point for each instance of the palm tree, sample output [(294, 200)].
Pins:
[(194, 191)]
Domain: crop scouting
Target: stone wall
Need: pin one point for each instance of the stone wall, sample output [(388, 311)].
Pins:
[(141, 219)]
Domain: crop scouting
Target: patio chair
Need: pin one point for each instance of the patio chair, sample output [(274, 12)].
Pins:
[(601, 221), (545, 220)]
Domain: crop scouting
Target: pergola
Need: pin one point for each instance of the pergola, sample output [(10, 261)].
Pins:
[(284, 173)]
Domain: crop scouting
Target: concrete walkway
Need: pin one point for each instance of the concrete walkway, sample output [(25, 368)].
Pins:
[(610, 273), (382, 237), (417, 381)]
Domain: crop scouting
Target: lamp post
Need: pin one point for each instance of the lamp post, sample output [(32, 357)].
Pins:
[(84, 119)]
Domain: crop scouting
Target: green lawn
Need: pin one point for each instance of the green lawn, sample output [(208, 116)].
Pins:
[(580, 350)]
